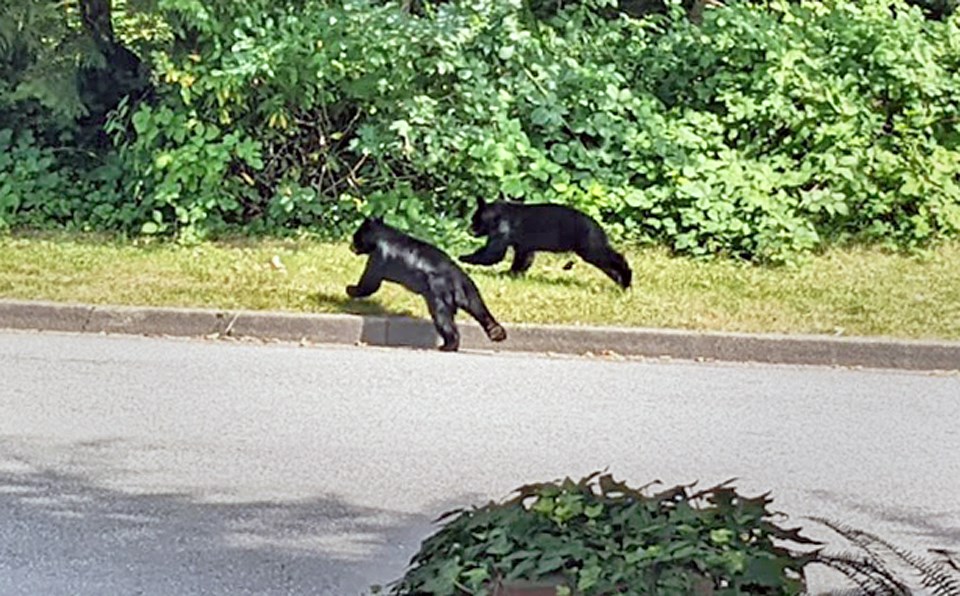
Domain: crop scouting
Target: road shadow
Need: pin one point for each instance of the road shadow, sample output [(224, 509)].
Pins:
[(62, 534), (382, 327), (398, 331), (920, 523)]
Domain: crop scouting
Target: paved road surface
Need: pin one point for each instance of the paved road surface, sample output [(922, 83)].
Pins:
[(147, 466)]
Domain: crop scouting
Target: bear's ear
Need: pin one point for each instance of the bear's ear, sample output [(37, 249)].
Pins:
[(377, 219), (481, 202)]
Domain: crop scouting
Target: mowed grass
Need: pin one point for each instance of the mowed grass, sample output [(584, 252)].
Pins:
[(864, 292)]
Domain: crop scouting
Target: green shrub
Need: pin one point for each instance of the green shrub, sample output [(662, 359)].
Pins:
[(762, 131), (179, 166), (599, 536), (826, 128), (603, 537), (41, 187), (24, 172), (32, 188)]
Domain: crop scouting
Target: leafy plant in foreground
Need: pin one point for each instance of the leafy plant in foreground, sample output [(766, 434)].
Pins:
[(599, 536)]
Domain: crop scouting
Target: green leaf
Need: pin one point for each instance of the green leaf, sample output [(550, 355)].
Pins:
[(548, 563), (764, 570), (593, 511), (512, 185), (588, 578), (401, 127), (163, 160), (141, 120), (721, 536), (475, 577), (444, 582)]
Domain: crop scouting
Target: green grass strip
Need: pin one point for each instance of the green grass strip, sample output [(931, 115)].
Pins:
[(844, 292)]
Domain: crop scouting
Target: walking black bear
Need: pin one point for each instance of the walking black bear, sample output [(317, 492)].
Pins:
[(551, 228), (425, 270)]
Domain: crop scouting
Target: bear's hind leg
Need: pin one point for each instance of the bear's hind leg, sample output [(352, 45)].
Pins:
[(612, 263), (473, 303)]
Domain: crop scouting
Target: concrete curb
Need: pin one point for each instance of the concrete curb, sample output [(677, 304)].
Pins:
[(402, 331)]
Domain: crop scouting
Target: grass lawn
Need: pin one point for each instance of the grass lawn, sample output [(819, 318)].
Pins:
[(848, 292)]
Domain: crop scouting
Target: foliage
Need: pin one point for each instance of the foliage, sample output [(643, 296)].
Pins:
[(762, 131), (28, 182), (599, 536), (58, 69), (179, 165), (603, 537), (38, 62), (833, 137), (39, 190), (58, 82), (937, 9)]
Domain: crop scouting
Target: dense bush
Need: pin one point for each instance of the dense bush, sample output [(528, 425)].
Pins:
[(804, 124), (599, 536), (28, 182), (762, 131), (60, 75), (41, 189)]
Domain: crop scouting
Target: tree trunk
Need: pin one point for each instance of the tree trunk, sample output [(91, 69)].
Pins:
[(96, 16)]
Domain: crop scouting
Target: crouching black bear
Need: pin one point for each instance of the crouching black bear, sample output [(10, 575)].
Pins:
[(425, 270), (551, 228)]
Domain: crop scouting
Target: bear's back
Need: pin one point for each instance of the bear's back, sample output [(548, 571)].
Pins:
[(550, 227)]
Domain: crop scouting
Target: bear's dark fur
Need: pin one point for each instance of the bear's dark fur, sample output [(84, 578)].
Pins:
[(425, 270), (550, 228)]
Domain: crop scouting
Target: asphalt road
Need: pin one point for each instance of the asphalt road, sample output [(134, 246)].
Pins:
[(149, 466)]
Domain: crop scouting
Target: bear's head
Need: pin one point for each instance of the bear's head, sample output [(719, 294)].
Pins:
[(366, 236), (487, 217)]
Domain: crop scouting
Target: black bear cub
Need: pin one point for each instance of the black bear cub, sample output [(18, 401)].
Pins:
[(425, 270), (551, 228)]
